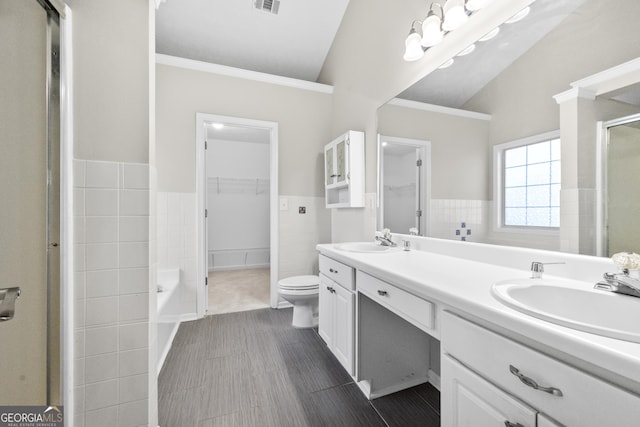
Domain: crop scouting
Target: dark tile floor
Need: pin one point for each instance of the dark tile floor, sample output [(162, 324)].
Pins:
[(253, 369)]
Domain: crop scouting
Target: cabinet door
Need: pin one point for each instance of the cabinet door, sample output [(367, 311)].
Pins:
[(470, 401), (342, 161), (343, 328), (329, 169), (325, 310)]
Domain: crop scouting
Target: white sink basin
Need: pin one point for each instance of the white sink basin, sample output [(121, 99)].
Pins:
[(582, 308), (369, 247)]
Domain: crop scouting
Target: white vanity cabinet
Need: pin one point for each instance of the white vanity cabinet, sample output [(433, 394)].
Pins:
[(344, 171), (336, 309), (494, 378)]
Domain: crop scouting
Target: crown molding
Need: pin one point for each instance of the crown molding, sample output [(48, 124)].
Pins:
[(439, 109), (575, 93), (239, 73)]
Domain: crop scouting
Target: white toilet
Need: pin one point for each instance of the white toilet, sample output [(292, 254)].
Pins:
[(302, 293)]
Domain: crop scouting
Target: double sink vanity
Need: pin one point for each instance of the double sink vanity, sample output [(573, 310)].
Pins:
[(503, 348)]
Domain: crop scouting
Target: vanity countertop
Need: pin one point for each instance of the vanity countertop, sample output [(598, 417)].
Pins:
[(464, 286)]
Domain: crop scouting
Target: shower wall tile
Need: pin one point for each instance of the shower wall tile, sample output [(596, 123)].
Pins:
[(134, 414), (101, 202), (101, 175), (101, 340), (79, 167), (134, 202), (133, 362), (113, 376), (101, 394), (101, 368), (101, 311), (102, 283), (101, 229), (135, 176), (102, 256)]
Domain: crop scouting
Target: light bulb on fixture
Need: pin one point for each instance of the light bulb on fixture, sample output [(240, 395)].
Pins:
[(454, 15), (413, 48), (217, 126), (474, 5), (432, 33), (467, 50), (491, 34), (447, 64), (518, 16)]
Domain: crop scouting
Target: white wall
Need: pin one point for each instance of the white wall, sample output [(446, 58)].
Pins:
[(303, 119), (114, 329)]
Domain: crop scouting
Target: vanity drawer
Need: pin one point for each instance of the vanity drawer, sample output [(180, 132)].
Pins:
[(585, 400), (416, 310), (337, 271)]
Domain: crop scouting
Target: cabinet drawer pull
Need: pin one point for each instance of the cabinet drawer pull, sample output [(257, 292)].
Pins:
[(510, 424), (531, 383), (330, 289), (333, 271), (382, 293), (333, 176)]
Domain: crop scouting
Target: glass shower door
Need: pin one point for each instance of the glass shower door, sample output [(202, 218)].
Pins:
[(623, 182), (30, 203)]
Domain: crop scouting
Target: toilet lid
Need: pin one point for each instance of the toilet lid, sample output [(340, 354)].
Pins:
[(300, 282)]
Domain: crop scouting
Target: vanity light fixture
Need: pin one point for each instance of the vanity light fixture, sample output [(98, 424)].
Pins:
[(432, 32), (455, 15), (413, 48), (452, 14)]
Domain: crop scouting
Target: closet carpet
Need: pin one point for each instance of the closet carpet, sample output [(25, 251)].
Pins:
[(238, 290), (253, 369)]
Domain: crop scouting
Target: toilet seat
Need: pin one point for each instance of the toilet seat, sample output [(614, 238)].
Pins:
[(299, 283)]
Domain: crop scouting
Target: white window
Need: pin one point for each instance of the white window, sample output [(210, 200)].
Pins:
[(528, 182)]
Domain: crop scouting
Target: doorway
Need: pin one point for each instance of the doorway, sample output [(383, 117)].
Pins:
[(236, 191), (404, 185), (621, 178)]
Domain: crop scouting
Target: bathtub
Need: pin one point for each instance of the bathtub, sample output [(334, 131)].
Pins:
[(168, 311)]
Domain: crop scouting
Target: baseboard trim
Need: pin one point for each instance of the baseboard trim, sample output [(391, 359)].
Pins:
[(434, 379), (283, 304)]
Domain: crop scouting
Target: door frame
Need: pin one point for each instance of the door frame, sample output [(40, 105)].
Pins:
[(201, 195), (425, 180), (602, 220)]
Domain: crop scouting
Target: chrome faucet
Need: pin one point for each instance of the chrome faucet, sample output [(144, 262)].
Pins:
[(620, 283), (537, 268), (385, 239)]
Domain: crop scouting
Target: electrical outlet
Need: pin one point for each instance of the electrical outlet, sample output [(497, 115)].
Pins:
[(302, 210)]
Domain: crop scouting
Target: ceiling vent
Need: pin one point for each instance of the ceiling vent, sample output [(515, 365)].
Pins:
[(269, 6)]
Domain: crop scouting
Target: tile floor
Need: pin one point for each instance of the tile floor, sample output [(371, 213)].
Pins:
[(253, 369)]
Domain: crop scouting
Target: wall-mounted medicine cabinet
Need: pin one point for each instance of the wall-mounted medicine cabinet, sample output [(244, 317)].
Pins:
[(344, 171)]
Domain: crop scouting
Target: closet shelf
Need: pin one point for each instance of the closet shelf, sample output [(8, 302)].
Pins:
[(226, 185)]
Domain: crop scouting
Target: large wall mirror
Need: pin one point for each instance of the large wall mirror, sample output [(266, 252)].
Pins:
[(501, 95)]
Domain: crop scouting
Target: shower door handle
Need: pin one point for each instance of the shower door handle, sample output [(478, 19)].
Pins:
[(8, 298)]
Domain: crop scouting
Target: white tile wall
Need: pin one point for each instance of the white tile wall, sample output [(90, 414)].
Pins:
[(448, 215), (112, 282), (176, 241)]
